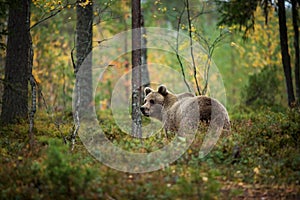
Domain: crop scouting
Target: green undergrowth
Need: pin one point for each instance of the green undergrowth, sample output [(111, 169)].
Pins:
[(260, 157)]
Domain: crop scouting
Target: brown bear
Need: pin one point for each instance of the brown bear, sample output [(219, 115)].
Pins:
[(183, 112)]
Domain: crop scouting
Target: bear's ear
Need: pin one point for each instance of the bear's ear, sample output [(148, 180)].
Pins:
[(147, 90), (162, 90)]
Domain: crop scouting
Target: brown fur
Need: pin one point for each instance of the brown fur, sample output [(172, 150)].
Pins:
[(184, 95), (183, 111)]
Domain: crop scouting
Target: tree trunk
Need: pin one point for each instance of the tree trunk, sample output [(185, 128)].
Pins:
[(83, 101), (15, 96), (286, 61), (144, 70), (136, 69), (84, 56), (296, 46)]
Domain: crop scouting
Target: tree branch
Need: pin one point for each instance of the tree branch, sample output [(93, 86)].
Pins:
[(177, 49), (51, 15), (191, 46)]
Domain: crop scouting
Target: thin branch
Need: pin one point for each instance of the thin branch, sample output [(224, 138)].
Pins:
[(51, 15), (180, 63), (57, 125), (33, 105), (103, 10), (177, 49), (203, 12), (72, 55), (191, 46), (33, 91), (34, 88), (101, 41), (210, 51), (45, 19)]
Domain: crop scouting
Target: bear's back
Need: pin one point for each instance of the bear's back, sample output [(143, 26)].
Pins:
[(191, 109)]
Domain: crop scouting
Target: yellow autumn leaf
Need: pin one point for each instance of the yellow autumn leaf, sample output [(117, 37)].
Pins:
[(193, 29), (256, 170)]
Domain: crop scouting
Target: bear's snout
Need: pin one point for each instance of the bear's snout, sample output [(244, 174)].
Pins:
[(144, 111)]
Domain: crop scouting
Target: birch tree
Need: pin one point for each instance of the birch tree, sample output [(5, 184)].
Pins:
[(136, 69), (84, 36)]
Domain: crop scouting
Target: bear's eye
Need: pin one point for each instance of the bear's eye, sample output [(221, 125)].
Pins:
[(151, 101)]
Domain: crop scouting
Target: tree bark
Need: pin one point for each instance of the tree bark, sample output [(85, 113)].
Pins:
[(136, 68), (83, 68), (144, 70), (286, 61), (84, 56), (296, 46), (15, 96)]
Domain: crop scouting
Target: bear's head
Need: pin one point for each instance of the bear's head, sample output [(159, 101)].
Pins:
[(154, 102)]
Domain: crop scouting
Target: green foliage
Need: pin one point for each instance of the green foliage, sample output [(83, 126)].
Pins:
[(202, 182), (62, 174), (262, 88), (268, 144), (237, 12), (55, 174)]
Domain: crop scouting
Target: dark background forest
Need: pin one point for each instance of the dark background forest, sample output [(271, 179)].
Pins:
[(50, 51)]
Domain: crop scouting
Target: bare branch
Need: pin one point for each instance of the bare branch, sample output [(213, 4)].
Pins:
[(72, 58), (177, 49), (52, 15), (210, 50), (33, 84), (191, 46), (57, 125)]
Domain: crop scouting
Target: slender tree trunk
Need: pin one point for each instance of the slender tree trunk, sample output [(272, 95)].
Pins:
[(84, 55), (126, 63), (15, 96), (136, 69), (296, 46), (199, 91), (83, 67), (233, 69), (144, 70), (286, 61)]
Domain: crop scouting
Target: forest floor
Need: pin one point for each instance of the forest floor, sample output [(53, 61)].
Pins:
[(260, 159)]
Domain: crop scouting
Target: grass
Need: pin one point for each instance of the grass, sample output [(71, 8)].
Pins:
[(260, 158)]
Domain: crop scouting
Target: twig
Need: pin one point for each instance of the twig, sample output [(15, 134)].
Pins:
[(76, 125), (50, 16), (72, 58), (191, 46), (33, 105), (76, 115), (211, 48), (177, 49), (51, 118), (33, 91)]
